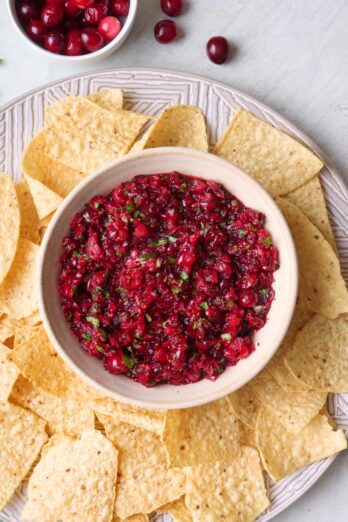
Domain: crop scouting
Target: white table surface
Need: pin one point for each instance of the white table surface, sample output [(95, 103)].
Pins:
[(292, 55)]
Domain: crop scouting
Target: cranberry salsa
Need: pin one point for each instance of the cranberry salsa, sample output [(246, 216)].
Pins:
[(167, 278)]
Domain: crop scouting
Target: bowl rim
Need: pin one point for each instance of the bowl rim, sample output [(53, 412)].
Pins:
[(144, 403), (90, 57)]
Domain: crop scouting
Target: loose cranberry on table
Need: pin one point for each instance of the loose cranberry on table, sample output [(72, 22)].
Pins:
[(171, 7), (217, 49), (167, 278), (165, 31)]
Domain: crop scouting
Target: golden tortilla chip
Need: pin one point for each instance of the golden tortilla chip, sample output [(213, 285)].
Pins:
[(110, 99), (55, 175), (178, 126), (62, 416), (245, 404), (29, 228), (141, 142), (7, 327), (321, 287), (85, 137), (8, 374), (283, 453), (233, 491), (22, 435), (247, 436), (74, 480), (18, 291), (45, 200), (203, 434), (319, 356), (152, 420), (177, 510), (145, 481), (277, 161), (23, 332), (38, 361), (294, 409), (134, 518), (310, 199), (9, 224), (46, 221)]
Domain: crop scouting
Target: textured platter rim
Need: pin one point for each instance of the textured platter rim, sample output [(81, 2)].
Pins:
[(310, 474)]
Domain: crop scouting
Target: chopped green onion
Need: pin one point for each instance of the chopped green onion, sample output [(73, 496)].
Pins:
[(129, 207), (204, 305), (184, 276), (176, 291), (86, 337), (96, 204), (242, 233), (171, 260), (226, 336), (100, 348), (267, 241), (128, 361), (147, 255), (93, 320)]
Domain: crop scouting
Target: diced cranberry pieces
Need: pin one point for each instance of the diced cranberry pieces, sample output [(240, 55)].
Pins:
[(165, 31)]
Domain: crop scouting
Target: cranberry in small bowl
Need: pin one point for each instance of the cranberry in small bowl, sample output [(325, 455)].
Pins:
[(74, 30), (170, 268)]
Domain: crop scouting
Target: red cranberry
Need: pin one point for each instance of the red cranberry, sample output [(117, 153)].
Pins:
[(52, 15), (171, 7), (165, 31), (73, 43), (120, 7), (91, 40), (84, 4), (109, 27), (115, 365), (55, 2), (247, 298), (28, 10), (36, 30), (71, 8), (54, 41), (94, 14), (217, 49)]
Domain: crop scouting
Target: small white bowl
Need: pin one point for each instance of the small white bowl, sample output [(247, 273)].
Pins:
[(267, 340), (83, 58)]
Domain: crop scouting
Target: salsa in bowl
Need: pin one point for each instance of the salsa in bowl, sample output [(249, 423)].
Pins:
[(182, 278)]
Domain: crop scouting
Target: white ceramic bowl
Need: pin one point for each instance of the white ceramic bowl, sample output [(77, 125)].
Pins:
[(190, 162), (83, 58)]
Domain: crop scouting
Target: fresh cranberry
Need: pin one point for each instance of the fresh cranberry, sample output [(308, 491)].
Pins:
[(54, 41), (247, 299), (109, 27), (165, 31), (94, 14), (73, 45), (171, 7), (84, 4), (28, 10), (52, 15), (115, 365), (91, 40), (36, 30), (71, 8), (55, 2), (120, 7), (217, 49)]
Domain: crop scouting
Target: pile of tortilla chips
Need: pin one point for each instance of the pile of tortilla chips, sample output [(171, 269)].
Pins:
[(88, 457)]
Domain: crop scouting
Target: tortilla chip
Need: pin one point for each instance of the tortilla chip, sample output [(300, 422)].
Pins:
[(110, 99), (23, 332), (85, 137), (277, 161), (294, 409), (179, 126), (62, 416), (231, 492), (245, 404), (140, 143), (38, 361), (319, 357), (203, 434), (45, 200), (247, 436), (9, 224), (7, 327), (152, 420), (29, 228), (321, 287), (8, 374), (310, 199), (55, 175), (22, 435), (46, 221), (145, 480), (134, 518), (283, 453), (74, 480), (18, 291), (177, 510)]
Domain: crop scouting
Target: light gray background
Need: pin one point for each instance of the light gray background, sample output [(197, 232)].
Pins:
[(290, 54)]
